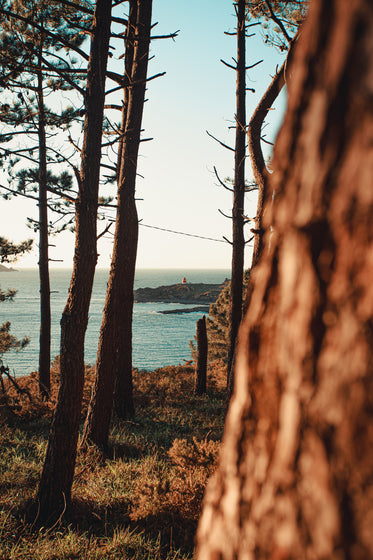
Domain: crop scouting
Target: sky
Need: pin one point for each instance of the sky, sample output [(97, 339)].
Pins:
[(178, 190)]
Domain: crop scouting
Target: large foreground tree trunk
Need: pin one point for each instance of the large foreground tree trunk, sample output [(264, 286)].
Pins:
[(57, 476), (295, 472)]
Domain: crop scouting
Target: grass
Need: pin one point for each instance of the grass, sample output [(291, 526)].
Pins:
[(142, 502)]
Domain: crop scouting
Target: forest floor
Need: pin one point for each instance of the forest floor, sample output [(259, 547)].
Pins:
[(141, 502)]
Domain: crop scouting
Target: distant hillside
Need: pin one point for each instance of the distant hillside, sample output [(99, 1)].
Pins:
[(180, 293), (6, 268)]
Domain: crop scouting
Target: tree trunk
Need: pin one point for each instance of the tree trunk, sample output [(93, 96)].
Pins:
[(114, 357), (295, 474), (201, 366), (260, 172), (57, 476), (258, 165), (45, 309), (97, 424), (125, 244), (238, 245)]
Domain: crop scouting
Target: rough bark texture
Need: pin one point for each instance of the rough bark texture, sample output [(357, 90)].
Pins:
[(114, 357), (295, 472), (126, 235), (238, 246), (202, 349), (45, 308), (97, 424), (57, 476)]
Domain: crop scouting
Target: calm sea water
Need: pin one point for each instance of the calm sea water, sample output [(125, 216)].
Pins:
[(158, 339)]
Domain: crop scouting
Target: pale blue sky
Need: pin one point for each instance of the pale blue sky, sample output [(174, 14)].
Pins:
[(179, 189)]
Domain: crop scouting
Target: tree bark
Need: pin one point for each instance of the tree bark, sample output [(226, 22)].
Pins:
[(45, 309), (97, 424), (259, 168), (125, 244), (238, 240), (202, 349), (56, 480), (295, 474), (114, 357)]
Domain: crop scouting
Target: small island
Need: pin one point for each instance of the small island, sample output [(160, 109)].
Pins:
[(184, 293), (7, 268)]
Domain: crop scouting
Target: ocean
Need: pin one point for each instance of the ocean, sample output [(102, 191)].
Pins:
[(158, 339)]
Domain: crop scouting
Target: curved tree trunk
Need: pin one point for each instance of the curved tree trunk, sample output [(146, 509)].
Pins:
[(57, 476), (260, 172), (295, 473)]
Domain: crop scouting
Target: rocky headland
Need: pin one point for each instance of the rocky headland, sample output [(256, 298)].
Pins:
[(201, 294)]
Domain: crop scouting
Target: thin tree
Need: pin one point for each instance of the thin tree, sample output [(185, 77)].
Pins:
[(294, 478), (54, 493), (238, 220), (32, 68), (114, 357)]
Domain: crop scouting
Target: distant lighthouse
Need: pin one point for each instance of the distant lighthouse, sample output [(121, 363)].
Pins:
[(184, 280)]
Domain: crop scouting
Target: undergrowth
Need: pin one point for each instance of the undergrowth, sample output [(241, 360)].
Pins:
[(141, 502)]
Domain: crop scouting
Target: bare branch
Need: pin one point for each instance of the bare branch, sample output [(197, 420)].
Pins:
[(219, 142), (225, 215), (229, 65), (222, 182), (170, 36), (266, 141), (116, 107), (253, 65), (104, 231)]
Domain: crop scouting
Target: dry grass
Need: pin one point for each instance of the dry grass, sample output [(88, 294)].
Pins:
[(144, 501)]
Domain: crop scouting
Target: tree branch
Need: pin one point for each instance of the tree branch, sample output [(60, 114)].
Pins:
[(278, 21), (219, 142), (222, 182)]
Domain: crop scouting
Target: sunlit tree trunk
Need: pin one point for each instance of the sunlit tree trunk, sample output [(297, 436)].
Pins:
[(294, 479), (97, 424), (57, 476), (126, 233), (114, 356)]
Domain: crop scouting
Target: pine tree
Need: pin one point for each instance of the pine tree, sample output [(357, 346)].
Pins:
[(54, 491), (32, 67)]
